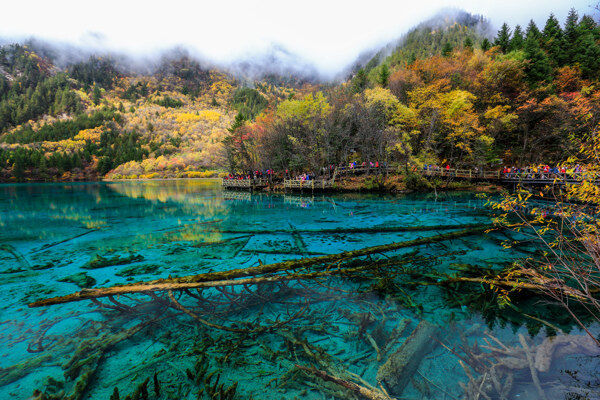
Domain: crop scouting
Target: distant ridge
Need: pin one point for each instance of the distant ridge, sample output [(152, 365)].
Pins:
[(427, 39)]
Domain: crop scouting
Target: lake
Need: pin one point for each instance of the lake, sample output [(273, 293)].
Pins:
[(380, 321)]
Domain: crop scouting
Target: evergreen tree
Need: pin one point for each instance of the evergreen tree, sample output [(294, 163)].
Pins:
[(553, 41), (447, 49), (532, 31), (43, 168), (571, 36), (468, 44), (588, 50), (503, 38), (485, 44), (18, 169), (239, 121), (96, 95), (538, 69), (359, 82), (518, 40), (384, 75)]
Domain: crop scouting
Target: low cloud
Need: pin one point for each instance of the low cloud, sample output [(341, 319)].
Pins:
[(325, 34)]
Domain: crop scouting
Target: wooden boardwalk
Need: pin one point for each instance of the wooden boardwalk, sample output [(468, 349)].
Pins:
[(462, 174), (244, 184), (312, 185), (550, 178), (522, 178), (361, 170)]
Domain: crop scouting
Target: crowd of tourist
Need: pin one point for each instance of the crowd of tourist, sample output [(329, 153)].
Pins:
[(258, 174), (436, 168), (528, 172), (541, 171), (327, 171)]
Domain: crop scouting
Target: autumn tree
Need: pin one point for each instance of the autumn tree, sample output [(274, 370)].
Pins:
[(298, 132)]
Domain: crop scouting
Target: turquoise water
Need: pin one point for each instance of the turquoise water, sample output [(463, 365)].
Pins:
[(59, 238)]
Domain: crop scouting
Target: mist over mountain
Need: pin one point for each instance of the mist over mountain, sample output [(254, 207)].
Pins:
[(70, 112), (426, 38), (277, 63)]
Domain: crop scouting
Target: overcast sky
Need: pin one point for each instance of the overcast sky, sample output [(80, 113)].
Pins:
[(328, 33)]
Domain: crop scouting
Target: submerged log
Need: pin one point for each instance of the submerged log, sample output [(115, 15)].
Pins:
[(403, 364), (190, 281), (362, 391), (379, 229), (517, 285)]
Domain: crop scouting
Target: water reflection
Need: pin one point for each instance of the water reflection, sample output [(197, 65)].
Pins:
[(57, 239)]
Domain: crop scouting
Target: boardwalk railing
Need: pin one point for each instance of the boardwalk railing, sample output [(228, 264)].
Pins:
[(462, 173), (512, 178), (237, 183), (550, 177), (249, 184), (362, 169), (310, 184)]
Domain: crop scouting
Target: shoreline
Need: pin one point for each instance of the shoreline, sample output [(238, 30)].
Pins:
[(393, 185)]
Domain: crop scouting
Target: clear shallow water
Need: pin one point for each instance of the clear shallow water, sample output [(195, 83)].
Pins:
[(55, 239)]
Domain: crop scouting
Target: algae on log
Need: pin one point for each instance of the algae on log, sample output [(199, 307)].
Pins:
[(187, 282), (362, 391), (402, 365)]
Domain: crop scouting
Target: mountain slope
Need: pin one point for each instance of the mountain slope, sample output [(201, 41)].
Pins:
[(450, 27)]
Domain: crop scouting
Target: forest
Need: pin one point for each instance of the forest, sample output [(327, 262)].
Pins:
[(446, 94), (523, 98)]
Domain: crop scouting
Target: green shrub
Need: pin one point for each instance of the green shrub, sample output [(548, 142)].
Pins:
[(417, 182)]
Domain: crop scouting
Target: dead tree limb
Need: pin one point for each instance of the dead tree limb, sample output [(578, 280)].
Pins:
[(227, 277), (353, 387)]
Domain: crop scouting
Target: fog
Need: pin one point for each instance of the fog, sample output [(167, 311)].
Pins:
[(328, 35)]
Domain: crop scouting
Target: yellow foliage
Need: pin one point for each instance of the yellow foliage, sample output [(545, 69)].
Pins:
[(210, 115), (187, 117), (92, 135)]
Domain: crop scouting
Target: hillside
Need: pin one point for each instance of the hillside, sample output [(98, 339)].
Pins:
[(443, 94), (529, 96), (448, 30), (94, 118)]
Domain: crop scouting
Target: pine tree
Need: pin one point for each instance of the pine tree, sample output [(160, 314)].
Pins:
[(384, 75), (503, 38), (587, 48), (518, 40), (359, 83), (485, 44), (538, 69), (239, 121), (447, 49), (571, 35), (43, 168), (18, 168), (532, 31), (553, 41), (96, 95), (468, 44)]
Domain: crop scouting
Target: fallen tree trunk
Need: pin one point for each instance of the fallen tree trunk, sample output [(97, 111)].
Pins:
[(224, 278), (402, 365), (517, 284), (381, 229), (353, 387)]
